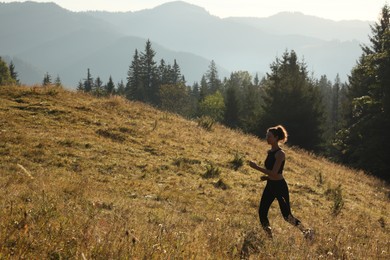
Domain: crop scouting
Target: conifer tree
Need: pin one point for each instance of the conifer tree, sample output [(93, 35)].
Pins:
[(46, 79), (88, 82), (335, 117), (110, 87), (366, 140), (14, 74), (213, 81), (256, 80), (163, 73), (149, 74), (325, 87), (80, 86), (98, 89), (57, 81), (177, 78), (204, 89), (135, 88), (121, 89), (291, 99), (5, 75), (232, 107)]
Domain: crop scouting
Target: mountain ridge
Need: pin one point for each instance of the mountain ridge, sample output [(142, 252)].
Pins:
[(234, 44)]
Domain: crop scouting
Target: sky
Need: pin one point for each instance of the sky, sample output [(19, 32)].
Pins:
[(367, 10)]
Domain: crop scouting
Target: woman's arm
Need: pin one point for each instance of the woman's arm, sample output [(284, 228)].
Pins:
[(273, 174)]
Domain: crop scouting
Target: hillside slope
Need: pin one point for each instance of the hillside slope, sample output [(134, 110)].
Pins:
[(92, 178)]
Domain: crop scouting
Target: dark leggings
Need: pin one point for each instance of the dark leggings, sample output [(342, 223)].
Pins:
[(279, 190)]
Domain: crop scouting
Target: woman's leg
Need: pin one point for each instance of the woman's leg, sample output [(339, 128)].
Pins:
[(265, 203), (284, 204)]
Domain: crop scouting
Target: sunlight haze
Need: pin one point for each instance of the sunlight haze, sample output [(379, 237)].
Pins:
[(367, 10)]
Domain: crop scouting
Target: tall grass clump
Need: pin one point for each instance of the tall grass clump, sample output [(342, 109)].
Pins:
[(206, 122), (238, 161), (336, 195), (212, 171)]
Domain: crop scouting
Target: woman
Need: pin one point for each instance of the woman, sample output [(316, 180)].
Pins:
[(276, 187)]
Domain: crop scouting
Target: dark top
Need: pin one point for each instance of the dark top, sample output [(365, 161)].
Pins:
[(270, 161)]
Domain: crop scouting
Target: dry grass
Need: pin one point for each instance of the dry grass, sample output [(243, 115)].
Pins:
[(91, 178)]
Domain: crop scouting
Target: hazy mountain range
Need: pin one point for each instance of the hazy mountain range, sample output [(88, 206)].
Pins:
[(43, 37)]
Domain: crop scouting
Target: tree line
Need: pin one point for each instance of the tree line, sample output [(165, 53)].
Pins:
[(346, 122)]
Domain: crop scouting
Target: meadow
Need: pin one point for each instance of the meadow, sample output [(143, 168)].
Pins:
[(106, 178)]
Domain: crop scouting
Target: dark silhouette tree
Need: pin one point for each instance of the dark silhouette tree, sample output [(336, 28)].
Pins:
[(135, 88), (57, 81), (121, 89), (5, 75), (47, 79), (88, 82), (149, 74), (13, 73), (365, 142), (213, 81), (110, 87), (291, 99)]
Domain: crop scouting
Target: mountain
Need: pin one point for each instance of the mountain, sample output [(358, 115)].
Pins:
[(105, 178), (297, 23), (238, 44), (66, 43)]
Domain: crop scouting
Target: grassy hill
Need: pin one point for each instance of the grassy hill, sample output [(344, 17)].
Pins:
[(89, 178)]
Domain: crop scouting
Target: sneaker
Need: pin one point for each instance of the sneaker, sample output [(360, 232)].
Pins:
[(268, 230)]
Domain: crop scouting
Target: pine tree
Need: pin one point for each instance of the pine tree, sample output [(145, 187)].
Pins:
[(366, 140), (194, 99), (232, 107), (149, 75), (291, 99), (177, 78), (121, 89), (213, 81), (57, 81), (88, 82), (134, 88), (46, 79), (335, 117), (163, 73), (204, 89), (98, 89), (256, 80), (80, 86), (5, 75), (325, 87), (110, 87), (14, 74)]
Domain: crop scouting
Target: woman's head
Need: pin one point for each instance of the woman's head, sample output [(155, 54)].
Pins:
[(279, 132)]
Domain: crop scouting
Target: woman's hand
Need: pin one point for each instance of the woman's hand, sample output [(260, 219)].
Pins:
[(253, 165), (264, 178)]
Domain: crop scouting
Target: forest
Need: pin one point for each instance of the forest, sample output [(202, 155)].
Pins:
[(346, 122)]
